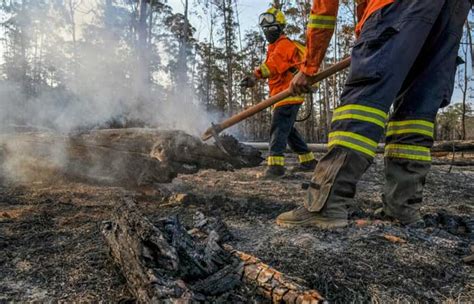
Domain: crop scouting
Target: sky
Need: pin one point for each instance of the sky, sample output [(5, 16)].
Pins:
[(248, 12)]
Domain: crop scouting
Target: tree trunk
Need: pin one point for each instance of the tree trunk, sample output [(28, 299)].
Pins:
[(441, 146), (227, 11), (464, 90), (143, 73), (183, 82), (165, 264), (122, 157)]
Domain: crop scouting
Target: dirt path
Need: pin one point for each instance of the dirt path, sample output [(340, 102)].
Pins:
[(51, 248)]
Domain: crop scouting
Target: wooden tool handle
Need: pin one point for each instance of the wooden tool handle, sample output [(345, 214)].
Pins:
[(341, 65)]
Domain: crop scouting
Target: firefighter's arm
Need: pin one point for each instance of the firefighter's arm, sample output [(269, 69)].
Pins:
[(321, 24)]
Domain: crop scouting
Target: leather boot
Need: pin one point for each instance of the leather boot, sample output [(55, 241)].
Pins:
[(331, 190), (403, 190), (274, 171), (308, 166)]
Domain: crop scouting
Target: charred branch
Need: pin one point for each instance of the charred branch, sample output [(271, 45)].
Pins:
[(164, 262), (448, 146)]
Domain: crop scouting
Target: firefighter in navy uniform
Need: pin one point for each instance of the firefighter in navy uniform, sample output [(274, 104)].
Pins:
[(283, 58), (405, 56)]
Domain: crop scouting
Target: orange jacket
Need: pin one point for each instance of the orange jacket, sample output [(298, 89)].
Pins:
[(321, 24), (283, 59)]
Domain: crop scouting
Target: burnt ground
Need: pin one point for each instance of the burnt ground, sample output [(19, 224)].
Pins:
[(51, 248)]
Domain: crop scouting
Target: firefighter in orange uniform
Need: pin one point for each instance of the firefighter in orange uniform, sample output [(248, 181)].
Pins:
[(405, 56), (283, 59)]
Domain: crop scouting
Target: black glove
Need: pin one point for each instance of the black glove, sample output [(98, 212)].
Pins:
[(248, 81)]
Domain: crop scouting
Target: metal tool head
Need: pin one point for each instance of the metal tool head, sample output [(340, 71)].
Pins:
[(213, 132)]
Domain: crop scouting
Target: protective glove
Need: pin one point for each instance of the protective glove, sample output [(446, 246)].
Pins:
[(248, 81)]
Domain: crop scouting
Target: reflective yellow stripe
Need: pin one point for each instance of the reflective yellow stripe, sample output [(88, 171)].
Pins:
[(359, 117), (289, 100), (295, 98), (322, 17), (422, 127), (408, 152), (303, 158), (407, 131), (367, 109), (265, 70), (276, 161), (321, 26), (351, 146), (363, 113), (361, 138), (322, 22), (411, 122), (353, 141)]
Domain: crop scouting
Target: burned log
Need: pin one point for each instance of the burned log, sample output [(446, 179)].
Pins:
[(269, 282), (441, 146), (274, 285), (164, 263), (123, 157)]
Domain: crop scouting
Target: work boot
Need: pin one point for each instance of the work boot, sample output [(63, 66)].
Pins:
[(333, 186), (303, 218), (273, 172), (331, 190), (403, 190), (308, 166), (416, 222)]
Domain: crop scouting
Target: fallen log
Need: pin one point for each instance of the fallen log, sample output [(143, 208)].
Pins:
[(273, 284), (123, 157), (164, 263), (457, 163), (269, 282), (447, 146)]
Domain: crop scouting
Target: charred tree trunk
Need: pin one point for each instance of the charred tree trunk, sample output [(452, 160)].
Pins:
[(122, 157), (441, 146), (274, 285), (164, 263)]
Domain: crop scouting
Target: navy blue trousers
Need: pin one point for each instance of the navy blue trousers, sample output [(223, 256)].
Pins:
[(405, 57), (402, 71), (283, 131)]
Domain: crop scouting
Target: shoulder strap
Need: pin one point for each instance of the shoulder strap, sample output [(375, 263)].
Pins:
[(300, 46)]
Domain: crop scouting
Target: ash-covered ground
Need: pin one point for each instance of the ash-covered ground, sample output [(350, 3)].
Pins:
[(51, 248)]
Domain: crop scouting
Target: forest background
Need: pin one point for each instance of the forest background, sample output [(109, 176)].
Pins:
[(74, 65)]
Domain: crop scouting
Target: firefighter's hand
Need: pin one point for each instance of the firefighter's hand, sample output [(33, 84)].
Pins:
[(300, 84), (248, 82)]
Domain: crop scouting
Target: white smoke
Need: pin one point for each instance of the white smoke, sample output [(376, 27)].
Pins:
[(98, 88)]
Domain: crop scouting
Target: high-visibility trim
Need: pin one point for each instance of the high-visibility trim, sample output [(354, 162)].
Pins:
[(359, 117), (276, 160), (322, 22), (265, 70), (289, 101), (304, 158), (353, 141), (411, 122), (363, 113), (422, 127), (410, 152)]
